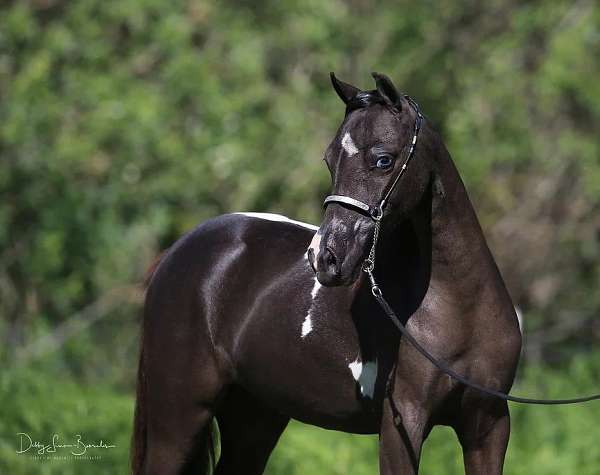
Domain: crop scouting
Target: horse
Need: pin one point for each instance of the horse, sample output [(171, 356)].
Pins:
[(253, 319)]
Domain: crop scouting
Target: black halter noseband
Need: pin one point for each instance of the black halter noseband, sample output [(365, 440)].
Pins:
[(376, 213)]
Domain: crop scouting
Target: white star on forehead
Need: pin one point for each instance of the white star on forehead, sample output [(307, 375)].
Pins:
[(348, 145)]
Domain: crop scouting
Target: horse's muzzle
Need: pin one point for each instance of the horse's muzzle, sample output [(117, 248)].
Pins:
[(337, 251)]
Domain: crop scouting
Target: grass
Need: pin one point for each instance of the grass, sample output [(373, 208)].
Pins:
[(545, 440)]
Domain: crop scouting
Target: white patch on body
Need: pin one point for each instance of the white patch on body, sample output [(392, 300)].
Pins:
[(280, 218), (307, 324), (348, 145), (365, 375), (356, 368)]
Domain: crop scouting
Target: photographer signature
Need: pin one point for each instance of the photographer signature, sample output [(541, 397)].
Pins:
[(79, 447)]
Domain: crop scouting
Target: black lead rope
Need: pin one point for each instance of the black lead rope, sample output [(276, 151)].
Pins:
[(376, 213), (446, 369)]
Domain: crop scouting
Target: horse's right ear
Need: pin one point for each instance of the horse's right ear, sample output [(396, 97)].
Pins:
[(344, 90)]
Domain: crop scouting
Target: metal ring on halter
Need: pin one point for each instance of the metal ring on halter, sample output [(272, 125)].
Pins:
[(377, 212), (376, 291)]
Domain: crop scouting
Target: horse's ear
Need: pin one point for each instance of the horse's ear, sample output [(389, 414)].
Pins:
[(344, 90), (388, 91)]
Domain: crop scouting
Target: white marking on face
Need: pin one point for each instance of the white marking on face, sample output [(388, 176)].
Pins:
[(307, 324), (279, 218), (365, 375), (348, 145), (315, 244)]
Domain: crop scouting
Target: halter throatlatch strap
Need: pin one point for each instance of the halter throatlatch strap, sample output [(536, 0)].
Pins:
[(376, 213)]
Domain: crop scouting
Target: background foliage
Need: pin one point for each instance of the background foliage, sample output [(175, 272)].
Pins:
[(125, 123)]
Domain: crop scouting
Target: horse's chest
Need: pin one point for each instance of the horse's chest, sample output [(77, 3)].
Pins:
[(317, 362)]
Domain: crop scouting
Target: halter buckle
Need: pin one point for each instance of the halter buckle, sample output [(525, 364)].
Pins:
[(377, 212)]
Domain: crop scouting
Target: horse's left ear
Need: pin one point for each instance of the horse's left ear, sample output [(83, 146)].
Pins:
[(388, 91), (344, 90)]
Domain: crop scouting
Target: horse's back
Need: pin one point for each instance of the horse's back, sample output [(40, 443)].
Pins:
[(221, 242), (239, 296), (209, 279)]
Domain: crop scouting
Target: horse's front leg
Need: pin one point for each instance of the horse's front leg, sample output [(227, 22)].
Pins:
[(404, 422), (483, 431), (401, 437)]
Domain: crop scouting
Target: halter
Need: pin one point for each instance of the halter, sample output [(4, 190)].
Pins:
[(368, 266), (376, 212)]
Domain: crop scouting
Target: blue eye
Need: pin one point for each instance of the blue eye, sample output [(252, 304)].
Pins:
[(384, 162)]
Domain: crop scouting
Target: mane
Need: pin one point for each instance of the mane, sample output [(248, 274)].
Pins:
[(364, 99)]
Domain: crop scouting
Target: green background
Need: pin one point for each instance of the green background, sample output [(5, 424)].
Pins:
[(125, 123)]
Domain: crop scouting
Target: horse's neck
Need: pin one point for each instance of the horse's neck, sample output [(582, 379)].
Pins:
[(450, 237)]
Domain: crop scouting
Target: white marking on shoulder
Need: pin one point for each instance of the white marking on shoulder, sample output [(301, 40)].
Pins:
[(315, 289), (280, 218), (365, 375), (356, 368), (307, 324), (348, 145)]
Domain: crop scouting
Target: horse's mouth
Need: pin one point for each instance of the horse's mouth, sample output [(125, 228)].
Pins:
[(328, 279)]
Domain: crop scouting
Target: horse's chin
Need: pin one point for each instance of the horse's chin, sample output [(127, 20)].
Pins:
[(328, 280)]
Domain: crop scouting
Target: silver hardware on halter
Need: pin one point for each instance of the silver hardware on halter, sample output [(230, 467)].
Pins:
[(348, 201), (374, 212)]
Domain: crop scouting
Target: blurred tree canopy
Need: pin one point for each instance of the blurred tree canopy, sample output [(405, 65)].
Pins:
[(125, 123)]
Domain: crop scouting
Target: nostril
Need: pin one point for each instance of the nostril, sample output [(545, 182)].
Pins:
[(331, 261)]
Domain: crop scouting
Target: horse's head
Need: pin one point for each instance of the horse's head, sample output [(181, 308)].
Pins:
[(365, 159)]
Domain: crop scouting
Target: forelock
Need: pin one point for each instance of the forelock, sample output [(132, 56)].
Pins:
[(364, 99)]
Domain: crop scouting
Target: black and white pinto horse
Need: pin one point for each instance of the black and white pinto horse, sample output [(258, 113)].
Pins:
[(253, 319)]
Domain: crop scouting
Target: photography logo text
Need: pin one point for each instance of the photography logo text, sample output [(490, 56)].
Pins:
[(58, 447)]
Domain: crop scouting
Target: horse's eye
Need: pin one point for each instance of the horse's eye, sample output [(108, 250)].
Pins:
[(384, 162)]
